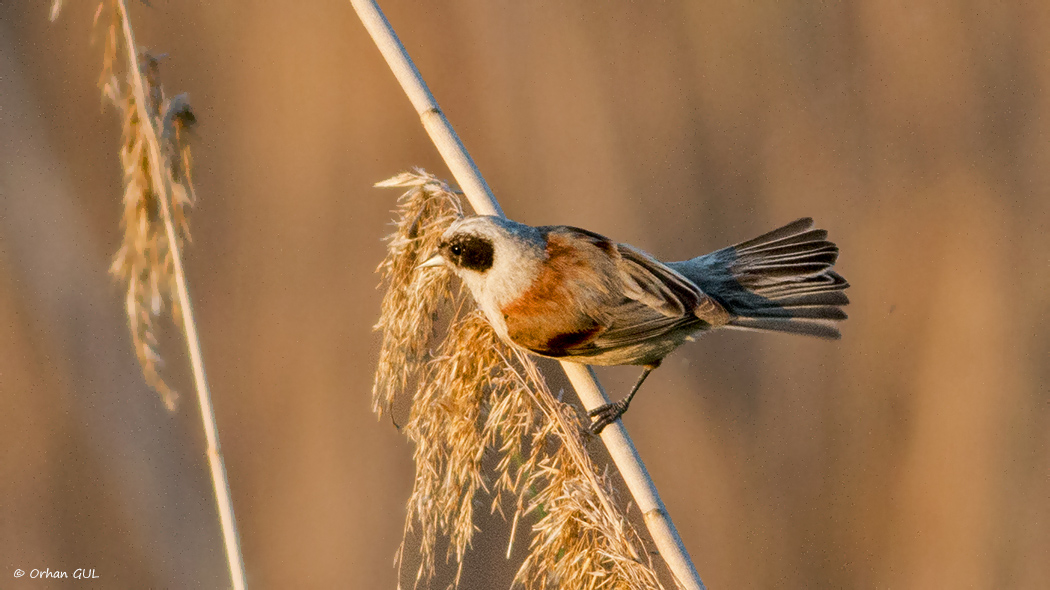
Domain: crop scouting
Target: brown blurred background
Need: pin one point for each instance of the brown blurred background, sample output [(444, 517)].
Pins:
[(914, 453)]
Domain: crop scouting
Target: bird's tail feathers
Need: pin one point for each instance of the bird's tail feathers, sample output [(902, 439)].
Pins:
[(781, 281)]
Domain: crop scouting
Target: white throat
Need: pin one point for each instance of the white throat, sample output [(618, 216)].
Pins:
[(519, 251)]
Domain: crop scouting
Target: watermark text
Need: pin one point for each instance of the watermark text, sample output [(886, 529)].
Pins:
[(78, 574)]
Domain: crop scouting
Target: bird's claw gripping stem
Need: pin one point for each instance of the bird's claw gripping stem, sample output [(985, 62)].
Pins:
[(606, 415)]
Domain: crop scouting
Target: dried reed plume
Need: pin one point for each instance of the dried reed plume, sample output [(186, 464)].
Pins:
[(475, 397), (412, 300), (144, 261), (158, 192)]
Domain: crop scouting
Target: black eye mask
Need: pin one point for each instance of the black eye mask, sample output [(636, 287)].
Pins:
[(469, 252)]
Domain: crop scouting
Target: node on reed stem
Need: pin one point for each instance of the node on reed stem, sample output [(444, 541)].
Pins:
[(475, 397)]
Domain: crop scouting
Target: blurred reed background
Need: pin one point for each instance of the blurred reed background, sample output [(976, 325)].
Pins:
[(914, 453)]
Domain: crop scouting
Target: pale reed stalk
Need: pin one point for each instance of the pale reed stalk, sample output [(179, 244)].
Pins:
[(220, 482), (621, 448)]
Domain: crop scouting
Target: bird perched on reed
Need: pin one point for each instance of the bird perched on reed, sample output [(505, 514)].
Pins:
[(571, 294)]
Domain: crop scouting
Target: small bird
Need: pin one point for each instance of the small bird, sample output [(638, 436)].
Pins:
[(571, 294)]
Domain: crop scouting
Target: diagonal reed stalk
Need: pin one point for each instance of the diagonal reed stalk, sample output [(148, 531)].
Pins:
[(619, 444), (158, 188)]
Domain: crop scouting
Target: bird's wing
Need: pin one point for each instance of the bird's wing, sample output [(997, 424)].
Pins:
[(648, 281), (634, 322), (637, 275), (636, 335), (657, 302)]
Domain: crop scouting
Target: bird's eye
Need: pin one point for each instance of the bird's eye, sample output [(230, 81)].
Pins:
[(456, 249)]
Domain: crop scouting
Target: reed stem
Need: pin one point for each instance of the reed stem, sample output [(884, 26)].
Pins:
[(220, 482)]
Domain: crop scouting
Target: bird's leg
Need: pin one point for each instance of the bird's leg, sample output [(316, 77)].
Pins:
[(609, 413)]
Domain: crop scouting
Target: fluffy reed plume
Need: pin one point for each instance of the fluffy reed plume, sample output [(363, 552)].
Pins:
[(144, 261), (413, 299), (157, 194), (476, 398)]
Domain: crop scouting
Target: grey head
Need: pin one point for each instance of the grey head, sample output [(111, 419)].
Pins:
[(496, 258)]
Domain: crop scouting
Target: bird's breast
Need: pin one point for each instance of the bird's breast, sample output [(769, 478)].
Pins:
[(551, 317)]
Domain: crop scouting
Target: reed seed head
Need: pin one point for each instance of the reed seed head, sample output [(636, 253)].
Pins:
[(155, 158)]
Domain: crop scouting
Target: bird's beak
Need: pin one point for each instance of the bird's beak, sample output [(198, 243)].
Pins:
[(435, 260)]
